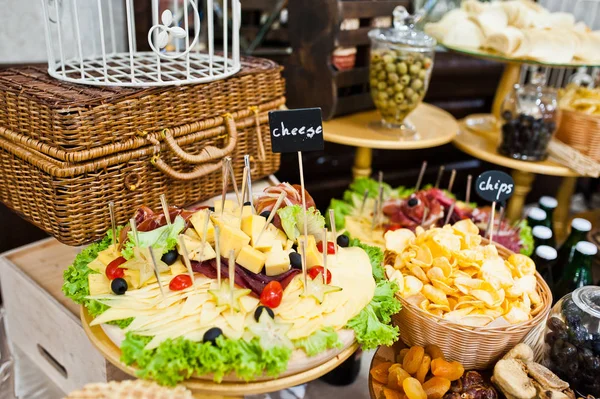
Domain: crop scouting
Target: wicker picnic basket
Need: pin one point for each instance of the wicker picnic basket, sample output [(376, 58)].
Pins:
[(476, 348), (66, 150), (580, 131)]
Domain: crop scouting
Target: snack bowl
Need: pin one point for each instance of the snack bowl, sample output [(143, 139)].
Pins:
[(477, 348)]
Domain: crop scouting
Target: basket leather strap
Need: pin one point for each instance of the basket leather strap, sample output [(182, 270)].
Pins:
[(200, 171)]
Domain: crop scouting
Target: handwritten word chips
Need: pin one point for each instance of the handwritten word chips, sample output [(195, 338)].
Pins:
[(448, 273)]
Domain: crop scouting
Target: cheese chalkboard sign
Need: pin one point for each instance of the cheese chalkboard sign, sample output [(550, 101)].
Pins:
[(494, 185), (296, 130)]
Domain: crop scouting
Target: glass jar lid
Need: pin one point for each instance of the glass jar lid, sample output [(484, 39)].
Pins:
[(403, 32), (588, 299)]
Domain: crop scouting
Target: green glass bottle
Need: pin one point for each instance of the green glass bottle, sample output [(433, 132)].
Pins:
[(544, 258), (578, 272), (542, 235), (536, 217), (579, 230), (548, 205)]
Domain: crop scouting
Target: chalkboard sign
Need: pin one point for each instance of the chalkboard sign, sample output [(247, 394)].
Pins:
[(296, 130), (494, 185)]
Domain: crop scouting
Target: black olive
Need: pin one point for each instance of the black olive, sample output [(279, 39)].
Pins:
[(211, 208), (119, 286), (295, 247), (413, 201), (556, 324), (212, 334), (265, 214), (343, 241), (170, 257), (296, 260), (259, 311), (247, 203)]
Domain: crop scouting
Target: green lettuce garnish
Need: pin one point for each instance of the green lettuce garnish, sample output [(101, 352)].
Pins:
[(526, 236), (319, 341), (371, 326), (175, 360), (163, 238), (292, 221), (342, 209), (360, 184), (375, 256)]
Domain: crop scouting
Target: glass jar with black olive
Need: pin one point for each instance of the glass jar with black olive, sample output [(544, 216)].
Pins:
[(529, 120), (400, 69), (572, 339)]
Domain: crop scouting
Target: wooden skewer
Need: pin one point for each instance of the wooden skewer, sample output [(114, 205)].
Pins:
[(325, 256), (156, 273), (218, 251), (452, 177), (304, 272), (364, 201), (186, 258), (249, 182), (468, 194), (134, 231), (271, 216), (425, 214), (233, 181), (439, 176), (502, 211), (231, 266), (421, 174), (490, 232), (333, 231), (375, 209), (224, 172), (450, 212), (303, 211), (244, 188), (165, 208), (113, 223), (204, 233)]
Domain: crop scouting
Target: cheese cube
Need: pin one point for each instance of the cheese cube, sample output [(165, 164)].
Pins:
[(208, 253), (229, 205), (288, 245), (231, 239), (197, 221), (97, 266), (226, 219), (132, 277), (178, 268), (279, 235), (277, 261), (108, 255), (266, 242), (313, 256), (190, 232), (246, 211), (99, 284), (252, 225), (251, 259)]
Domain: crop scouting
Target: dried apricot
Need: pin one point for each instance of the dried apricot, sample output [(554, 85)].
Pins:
[(413, 359), (423, 369), (388, 393), (434, 351), (413, 389), (436, 387), (396, 376), (450, 370), (380, 372), (401, 354)]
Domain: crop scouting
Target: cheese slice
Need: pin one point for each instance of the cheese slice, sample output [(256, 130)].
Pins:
[(178, 268), (229, 205), (231, 239), (198, 219), (226, 219), (277, 261), (97, 266), (252, 225), (108, 255), (208, 253), (251, 259), (190, 232), (279, 235), (99, 284), (313, 256), (288, 245)]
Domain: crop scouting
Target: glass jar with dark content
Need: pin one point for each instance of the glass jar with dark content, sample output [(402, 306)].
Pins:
[(529, 120), (572, 340)]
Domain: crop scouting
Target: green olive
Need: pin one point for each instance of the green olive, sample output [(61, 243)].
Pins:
[(398, 87), (416, 84), (373, 82), (415, 68), (404, 79), (415, 98), (408, 92), (422, 74), (390, 91), (393, 77), (381, 85), (375, 57), (403, 106), (399, 97), (391, 67), (383, 96), (381, 75), (387, 58), (402, 68)]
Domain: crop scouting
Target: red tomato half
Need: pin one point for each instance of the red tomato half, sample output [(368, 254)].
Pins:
[(314, 271), (113, 270), (272, 294), (330, 247), (180, 282)]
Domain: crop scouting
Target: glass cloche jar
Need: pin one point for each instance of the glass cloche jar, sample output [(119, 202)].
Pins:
[(573, 340), (529, 120), (400, 68)]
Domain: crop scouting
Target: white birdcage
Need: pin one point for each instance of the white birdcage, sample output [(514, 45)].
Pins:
[(93, 42)]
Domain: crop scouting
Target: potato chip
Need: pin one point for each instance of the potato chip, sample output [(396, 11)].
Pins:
[(448, 242), (443, 308), (497, 273), (526, 283), (516, 315), (535, 298), (423, 257), (435, 295), (418, 273), (395, 276), (452, 301), (523, 264), (490, 252), (465, 227), (444, 264), (476, 320), (448, 290), (457, 315), (398, 240), (412, 286)]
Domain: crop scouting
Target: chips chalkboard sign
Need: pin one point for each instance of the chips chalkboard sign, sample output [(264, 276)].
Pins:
[(494, 185), (296, 130)]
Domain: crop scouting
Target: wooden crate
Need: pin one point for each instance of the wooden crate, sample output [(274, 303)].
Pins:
[(43, 323), (311, 80)]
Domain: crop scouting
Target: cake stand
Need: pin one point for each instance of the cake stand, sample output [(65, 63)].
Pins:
[(433, 125), (207, 389)]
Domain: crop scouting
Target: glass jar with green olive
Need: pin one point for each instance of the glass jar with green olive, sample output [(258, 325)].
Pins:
[(400, 68)]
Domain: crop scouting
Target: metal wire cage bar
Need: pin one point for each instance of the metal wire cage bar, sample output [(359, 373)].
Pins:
[(93, 42)]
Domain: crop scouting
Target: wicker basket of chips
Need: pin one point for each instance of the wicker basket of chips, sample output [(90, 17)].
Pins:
[(473, 323)]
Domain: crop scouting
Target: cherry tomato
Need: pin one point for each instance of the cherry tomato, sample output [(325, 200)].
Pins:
[(180, 282), (392, 227), (113, 270), (272, 294), (314, 271), (330, 247)]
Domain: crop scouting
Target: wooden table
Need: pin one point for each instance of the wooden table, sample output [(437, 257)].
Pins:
[(484, 147), (434, 127)]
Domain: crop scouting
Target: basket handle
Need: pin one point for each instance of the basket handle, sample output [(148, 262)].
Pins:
[(200, 171), (209, 153)]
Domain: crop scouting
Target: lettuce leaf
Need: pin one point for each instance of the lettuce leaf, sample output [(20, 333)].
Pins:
[(163, 238), (319, 341), (359, 185), (292, 221), (402, 192), (175, 360), (526, 236), (371, 326), (375, 256), (342, 209)]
